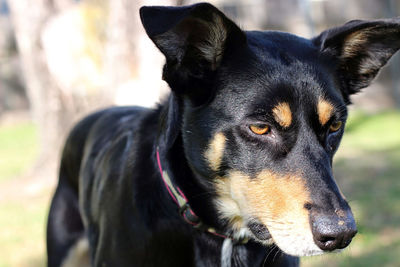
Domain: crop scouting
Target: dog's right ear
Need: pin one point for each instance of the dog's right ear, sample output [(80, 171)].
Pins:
[(360, 48), (194, 40)]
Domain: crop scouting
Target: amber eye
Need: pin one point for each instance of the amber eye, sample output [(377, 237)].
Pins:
[(260, 129), (335, 126)]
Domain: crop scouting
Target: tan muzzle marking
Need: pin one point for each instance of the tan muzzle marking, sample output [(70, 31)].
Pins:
[(277, 200)]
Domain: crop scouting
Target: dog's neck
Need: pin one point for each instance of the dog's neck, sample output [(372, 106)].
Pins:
[(183, 205), (191, 218)]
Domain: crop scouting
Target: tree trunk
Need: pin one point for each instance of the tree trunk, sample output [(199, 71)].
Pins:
[(45, 98), (133, 65)]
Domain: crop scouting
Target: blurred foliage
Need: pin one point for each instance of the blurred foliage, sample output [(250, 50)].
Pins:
[(18, 149)]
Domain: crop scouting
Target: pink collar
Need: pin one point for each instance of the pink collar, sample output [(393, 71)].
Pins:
[(180, 199)]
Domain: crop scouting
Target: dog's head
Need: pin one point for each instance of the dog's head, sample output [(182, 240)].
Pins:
[(263, 114)]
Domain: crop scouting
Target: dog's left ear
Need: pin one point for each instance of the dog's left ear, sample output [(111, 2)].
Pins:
[(194, 40), (361, 48)]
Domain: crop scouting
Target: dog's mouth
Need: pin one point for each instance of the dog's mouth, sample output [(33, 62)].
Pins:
[(294, 245), (259, 230)]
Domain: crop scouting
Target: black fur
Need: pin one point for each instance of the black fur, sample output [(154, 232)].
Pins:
[(110, 189)]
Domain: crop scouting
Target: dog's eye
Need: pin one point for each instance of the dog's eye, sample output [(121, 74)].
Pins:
[(260, 129), (335, 126)]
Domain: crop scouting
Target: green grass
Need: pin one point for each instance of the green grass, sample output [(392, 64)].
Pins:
[(22, 225), (378, 132), (18, 149), (22, 220)]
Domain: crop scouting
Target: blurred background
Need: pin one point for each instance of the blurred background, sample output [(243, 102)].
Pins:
[(61, 59)]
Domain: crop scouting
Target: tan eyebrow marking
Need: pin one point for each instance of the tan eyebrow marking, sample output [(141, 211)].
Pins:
[(283, 114), (215, 151), (325, 110)]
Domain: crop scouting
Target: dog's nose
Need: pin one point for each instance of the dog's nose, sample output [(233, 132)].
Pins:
[(333, 232)]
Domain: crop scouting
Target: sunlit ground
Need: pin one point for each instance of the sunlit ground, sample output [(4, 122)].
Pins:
[(18, 149), (367, 168)]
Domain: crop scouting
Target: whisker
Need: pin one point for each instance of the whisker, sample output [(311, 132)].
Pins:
[(272, 249), (277, 252)]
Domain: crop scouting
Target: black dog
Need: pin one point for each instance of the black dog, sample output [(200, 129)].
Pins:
[(234, 169)]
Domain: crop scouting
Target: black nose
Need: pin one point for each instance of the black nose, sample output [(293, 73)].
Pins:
[(333, 232)]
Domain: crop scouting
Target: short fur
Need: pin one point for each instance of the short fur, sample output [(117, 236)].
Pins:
[(273, 194)]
